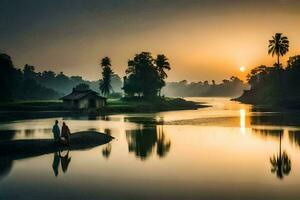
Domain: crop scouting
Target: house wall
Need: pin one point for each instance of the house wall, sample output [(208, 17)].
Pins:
[(85, 103), (88, 102)]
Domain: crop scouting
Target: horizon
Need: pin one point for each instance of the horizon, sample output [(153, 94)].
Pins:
[(204, 40)]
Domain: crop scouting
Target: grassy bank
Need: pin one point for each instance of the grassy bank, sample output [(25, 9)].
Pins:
[(113, 105), (154, 105), (44, 109)]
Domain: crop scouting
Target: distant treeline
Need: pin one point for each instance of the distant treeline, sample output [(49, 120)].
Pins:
[(274, 85), (64, 84), (27, 84), (231, 88)]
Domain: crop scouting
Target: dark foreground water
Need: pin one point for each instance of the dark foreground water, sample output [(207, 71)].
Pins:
[(227, 151)]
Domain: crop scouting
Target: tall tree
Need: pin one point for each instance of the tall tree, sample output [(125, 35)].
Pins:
[(105, 82), (142, 77), (7, 72), (29, 72), (279, 46), (162, 64)]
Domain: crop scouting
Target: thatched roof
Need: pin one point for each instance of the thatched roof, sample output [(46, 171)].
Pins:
[(79, 94)]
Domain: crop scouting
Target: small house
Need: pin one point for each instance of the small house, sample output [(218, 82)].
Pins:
[(84, 99)]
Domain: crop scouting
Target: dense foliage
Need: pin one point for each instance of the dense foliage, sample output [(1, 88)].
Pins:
[(29, 84), (274, 85), (17, 84), (145, 75)]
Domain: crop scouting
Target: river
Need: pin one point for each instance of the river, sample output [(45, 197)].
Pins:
[(226, 151)]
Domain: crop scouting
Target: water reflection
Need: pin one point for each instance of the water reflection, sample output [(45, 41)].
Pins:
[(7, 134), (143, 141), (62, 158), (163, 144), (6, 165), (280, 163), (294, 137), (106, 151), (243, 121), (268, 133)]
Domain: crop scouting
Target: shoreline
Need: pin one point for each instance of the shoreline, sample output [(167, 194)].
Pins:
[(32, 111)]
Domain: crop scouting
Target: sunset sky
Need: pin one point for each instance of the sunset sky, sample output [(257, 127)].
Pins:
[(204, 39)]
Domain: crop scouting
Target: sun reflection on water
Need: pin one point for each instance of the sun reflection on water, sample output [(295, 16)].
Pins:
[(243, 121)]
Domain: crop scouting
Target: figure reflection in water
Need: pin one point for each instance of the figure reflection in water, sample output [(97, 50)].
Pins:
[(63, 159), (106, 151), (280, 163)]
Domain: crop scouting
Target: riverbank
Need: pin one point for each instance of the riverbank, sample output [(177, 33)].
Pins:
[(276, 101), (46, 109)]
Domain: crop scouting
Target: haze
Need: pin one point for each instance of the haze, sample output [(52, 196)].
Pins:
[(203, 39)]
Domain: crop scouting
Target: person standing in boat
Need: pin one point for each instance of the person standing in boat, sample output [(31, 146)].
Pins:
[(65, 134), (56, 132)]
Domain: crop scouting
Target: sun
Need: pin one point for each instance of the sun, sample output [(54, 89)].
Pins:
[(242, 68)]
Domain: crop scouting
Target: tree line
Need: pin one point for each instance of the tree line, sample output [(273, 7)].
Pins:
[(232, 87), (27, 84)]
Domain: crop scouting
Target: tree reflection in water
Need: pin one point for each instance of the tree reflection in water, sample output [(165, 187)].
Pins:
[(163, 145), (294, 137), (143, 141), (280, 163)]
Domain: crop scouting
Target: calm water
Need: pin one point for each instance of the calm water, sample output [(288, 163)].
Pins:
[(227, 151)]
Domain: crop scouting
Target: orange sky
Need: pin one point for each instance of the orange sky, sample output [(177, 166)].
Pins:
[(204, 40)]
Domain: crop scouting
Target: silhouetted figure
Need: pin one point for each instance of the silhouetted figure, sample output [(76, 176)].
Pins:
[(55, 163), (65, 134), (56, 132)]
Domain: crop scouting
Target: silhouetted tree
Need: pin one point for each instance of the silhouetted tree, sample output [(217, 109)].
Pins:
[(142, 78), (105, 82), (162, 64), (279, 46), (29, 72), (6, 77)]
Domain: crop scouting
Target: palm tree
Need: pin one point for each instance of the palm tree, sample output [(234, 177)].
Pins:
[(279, 46), (105, 62), (162, 64), (105, 82)]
